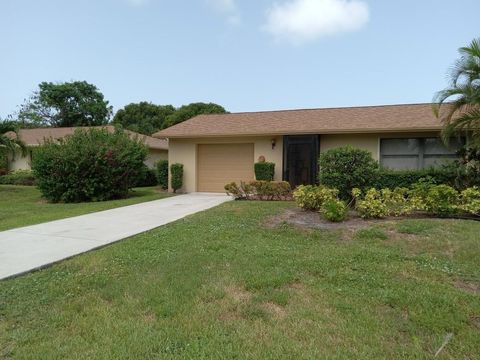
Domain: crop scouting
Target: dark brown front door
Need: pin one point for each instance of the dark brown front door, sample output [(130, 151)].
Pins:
[(300, 159)]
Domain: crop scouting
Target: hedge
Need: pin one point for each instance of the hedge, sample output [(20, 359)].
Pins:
[(162, 174), (177, 176), (391, 179), (148, 177), (19, 177), (259, 190), (264, 171)]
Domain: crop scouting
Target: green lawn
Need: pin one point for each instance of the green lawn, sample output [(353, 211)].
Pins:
[(222, 285), (23, 205)]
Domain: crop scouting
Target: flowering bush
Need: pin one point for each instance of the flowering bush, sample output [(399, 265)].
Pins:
[(310, 197), (89, 165)]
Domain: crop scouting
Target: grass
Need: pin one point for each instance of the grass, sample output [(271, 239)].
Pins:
[(23, 205), (221, 285)]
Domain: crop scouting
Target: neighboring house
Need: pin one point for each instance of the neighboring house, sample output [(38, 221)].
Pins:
[(219, 148), (157, 148)]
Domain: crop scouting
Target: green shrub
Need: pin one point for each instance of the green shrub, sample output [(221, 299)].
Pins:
[(270, 190), (467, 169), (148, 177), (232, 189), (311, 197), (334, 210), (3, 160), (435, 199), (89, 165), (441, 200), (177, 176), (162, 174), (391, 179), (397, 201), (470, 201), (19, 177), (345, 168), (264, 171), (371, 205), (259, 190)]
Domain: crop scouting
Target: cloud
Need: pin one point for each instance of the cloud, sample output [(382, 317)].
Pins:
[(226, 8), (300, 21)]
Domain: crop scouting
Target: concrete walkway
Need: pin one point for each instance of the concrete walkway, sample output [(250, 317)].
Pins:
[(32, 247)]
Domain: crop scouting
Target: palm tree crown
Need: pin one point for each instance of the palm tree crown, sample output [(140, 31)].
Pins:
[(459, 105), (9, 142)]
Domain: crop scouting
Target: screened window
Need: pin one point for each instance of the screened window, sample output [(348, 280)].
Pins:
[(417, 153)]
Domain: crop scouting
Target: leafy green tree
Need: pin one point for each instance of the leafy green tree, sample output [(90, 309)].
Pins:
[(66, 104), (189, 111), (459, 105), (144, 117)]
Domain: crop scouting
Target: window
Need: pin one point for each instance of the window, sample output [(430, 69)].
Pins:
[(417, 153)]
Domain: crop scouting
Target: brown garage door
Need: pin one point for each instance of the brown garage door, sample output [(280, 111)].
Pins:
[(219, 164)]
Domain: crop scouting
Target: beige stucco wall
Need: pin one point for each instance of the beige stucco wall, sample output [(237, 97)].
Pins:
[(154, 156), (19, 162), (184, 151)]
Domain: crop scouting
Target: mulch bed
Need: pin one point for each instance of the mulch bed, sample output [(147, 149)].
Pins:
[(313, 220)]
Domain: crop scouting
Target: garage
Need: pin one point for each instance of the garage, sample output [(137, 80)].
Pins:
[(220, 164)]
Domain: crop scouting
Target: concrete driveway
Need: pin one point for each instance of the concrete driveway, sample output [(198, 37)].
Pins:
[(32, 247)]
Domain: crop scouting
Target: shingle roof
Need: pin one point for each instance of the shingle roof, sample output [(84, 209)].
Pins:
[(367, 119), (35, 137)]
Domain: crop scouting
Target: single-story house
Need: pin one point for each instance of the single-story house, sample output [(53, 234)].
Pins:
[(216, 149), (157, 148)]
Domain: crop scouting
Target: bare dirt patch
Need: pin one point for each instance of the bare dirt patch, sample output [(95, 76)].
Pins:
[(238, 294), (275, 310), (475, 321), (468, 286), (312, 220)]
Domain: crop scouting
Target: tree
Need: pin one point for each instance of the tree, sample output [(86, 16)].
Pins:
[(144, 118), (189, 111), (9, 141), (75, 103), (459, 105)]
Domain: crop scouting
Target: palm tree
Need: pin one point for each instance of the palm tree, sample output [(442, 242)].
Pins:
[(9, 139), (459, 105)]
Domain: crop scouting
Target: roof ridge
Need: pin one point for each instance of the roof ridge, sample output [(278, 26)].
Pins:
[(316, 109)]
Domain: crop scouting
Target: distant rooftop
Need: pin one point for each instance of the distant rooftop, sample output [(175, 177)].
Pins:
[(35, 137)]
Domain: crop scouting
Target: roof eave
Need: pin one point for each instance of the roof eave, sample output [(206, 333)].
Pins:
[(312, 132)]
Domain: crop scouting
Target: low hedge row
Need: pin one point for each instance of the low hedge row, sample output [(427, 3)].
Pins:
[(391, 179), (424, 196), (19, 177), (259, 190)]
